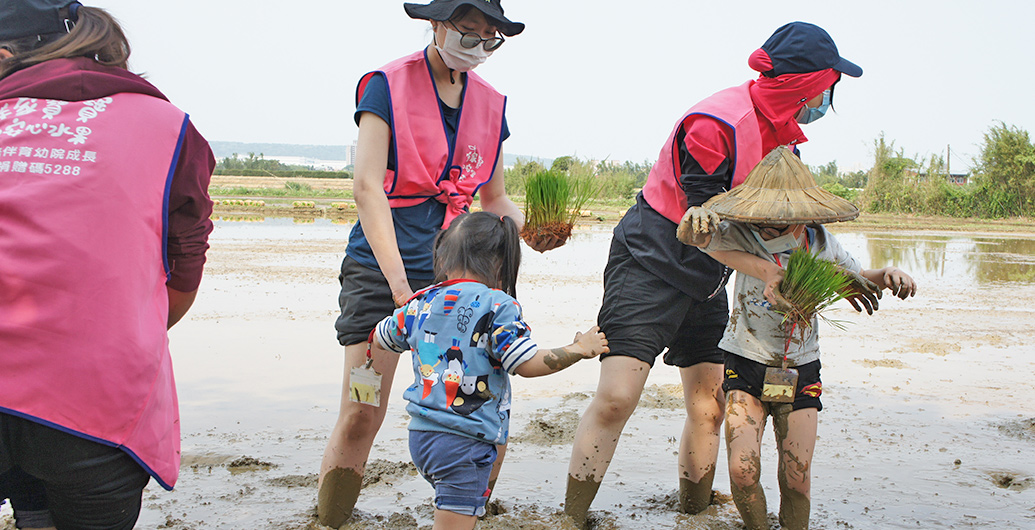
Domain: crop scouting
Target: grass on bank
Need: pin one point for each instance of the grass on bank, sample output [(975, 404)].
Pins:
[(290, 189)]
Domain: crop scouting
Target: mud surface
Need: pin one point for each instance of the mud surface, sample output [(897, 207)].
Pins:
[(928, 417)]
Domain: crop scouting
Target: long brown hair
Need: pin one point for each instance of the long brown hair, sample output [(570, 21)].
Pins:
[(96, 35)]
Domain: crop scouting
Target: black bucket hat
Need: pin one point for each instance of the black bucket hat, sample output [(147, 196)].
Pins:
[(444, 9), (25, 18), (800, 47)]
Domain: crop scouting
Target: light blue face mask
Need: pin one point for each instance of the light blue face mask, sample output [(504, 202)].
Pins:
[(778, 245), (808, 114)]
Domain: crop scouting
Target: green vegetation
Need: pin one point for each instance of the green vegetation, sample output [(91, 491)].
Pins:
[(290, 189), (615, 181), (259, 166), (258, 163), (811, 285), (555, 198), (1002, 184), (844, 185)]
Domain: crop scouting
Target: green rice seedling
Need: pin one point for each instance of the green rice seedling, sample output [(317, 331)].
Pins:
[(553, 201), (811, 285), (546, 198)]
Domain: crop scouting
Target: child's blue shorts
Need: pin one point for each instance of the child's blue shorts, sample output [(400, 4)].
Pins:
[(457, 466)]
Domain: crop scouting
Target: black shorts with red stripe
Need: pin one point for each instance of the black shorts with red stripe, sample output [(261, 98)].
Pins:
[(747, 375)]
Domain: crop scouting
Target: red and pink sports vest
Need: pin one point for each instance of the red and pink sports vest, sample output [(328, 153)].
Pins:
[(731, 106), (426, 165), (83, 303)]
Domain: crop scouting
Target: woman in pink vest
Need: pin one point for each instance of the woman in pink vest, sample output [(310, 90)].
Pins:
[(660, 294), (430, 137), (104, 223)]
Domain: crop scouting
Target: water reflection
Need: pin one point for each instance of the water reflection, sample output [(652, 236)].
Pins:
[(931, 256), (980, 259)]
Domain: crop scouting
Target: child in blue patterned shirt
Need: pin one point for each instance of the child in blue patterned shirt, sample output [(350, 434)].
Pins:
[(467, 336)]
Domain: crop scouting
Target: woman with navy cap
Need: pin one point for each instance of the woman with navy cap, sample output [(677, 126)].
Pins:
[(104, 223), (430, 138), (660, 294)]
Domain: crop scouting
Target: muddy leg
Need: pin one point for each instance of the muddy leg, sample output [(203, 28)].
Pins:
[(699, 446), (341, 472), (745, 421), (618, 392), (495, 473), (796, 441)]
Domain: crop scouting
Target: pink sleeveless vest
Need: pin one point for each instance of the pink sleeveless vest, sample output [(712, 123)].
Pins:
[(426, 165), (731, 106), (83, 302)]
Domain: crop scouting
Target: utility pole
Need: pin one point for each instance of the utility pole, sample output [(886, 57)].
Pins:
[(948, 163)]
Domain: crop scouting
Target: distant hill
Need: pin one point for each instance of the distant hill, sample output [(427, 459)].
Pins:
[(320, 152)]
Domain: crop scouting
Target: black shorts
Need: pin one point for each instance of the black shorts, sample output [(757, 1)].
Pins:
[(86, 484), (747, 375), (642, 315), (365, 299)]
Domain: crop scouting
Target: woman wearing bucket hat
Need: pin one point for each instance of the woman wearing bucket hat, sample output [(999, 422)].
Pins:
[(660, 294), (772, 365), (430, 138), (104, 223)]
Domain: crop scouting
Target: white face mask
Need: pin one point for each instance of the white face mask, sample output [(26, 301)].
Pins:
[(457, 57), (779, 244)]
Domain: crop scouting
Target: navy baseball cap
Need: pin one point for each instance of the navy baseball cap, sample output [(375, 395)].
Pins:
[(24, 18), (799, 48)]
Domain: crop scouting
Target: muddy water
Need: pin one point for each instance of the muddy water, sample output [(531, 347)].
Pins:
[(928, 418)]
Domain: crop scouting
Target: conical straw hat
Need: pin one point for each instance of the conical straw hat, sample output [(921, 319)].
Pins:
[(780, 190)]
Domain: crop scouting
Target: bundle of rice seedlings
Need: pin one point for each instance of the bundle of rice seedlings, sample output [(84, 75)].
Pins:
[(811, 285), (553, 200)]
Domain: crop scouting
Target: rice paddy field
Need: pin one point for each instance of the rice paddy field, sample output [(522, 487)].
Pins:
[(928, 420)]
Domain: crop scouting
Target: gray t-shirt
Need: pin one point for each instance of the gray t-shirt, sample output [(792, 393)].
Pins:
[(755, 331)]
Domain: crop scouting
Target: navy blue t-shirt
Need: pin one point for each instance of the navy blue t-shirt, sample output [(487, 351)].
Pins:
[(415, 226)]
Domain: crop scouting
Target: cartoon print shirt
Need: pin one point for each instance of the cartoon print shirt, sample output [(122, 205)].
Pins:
[(755, 331), (465, 339)]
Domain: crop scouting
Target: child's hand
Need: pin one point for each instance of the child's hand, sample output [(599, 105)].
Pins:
[(772, 292), (697, 224), (901, 284), (864, 293), (591, 343)]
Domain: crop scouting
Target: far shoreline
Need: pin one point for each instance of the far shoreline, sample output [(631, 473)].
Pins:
[(597, 212)]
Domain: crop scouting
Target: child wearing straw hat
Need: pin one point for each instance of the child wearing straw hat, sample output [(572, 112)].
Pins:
[(777, 210)]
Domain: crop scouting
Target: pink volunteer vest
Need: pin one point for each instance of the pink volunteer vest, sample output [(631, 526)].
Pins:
[(83, 302), (731, 106), (426, 165)]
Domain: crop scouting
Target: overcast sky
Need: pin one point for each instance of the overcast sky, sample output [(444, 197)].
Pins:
[(597, 79)]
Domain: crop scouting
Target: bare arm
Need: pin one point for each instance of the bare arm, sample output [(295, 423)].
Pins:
[(586, 346), (179, 303), (493, 197), (375, 214)]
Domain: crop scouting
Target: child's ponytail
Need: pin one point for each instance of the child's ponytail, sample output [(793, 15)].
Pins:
[(510, 259)]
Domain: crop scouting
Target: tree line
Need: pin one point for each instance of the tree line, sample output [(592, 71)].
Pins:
[(259, 166), (1001, 183)]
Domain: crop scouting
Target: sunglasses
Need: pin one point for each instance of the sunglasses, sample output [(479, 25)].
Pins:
[(471, 40), (770, 232)]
